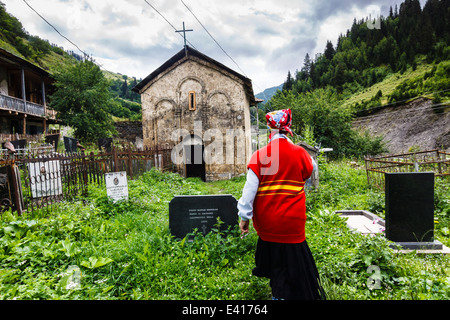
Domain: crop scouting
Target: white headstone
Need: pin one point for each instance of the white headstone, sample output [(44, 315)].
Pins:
[(117, 185)]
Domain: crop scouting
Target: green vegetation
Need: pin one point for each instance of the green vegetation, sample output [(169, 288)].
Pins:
[(127, 103), (125, 250), (319, 116), (82, 99), (436, 82), (406, 57), (50, 57), (365, 56), (14, 38)]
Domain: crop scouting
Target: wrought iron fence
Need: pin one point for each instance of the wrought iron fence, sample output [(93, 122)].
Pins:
[(436, 161), (44, 180)]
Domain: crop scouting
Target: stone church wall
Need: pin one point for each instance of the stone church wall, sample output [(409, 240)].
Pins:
[(197, 99)]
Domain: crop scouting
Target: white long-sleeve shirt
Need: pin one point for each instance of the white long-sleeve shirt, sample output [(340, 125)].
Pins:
[(245, 203)]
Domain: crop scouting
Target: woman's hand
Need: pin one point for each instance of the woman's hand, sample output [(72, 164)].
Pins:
[(243, 225)]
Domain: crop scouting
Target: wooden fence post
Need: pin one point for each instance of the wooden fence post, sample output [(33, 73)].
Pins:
[(439, 162), (130, 163), (17, 188), (84, 168), (115, 159)]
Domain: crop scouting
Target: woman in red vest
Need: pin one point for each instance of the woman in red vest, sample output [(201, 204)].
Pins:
[(274, 198)]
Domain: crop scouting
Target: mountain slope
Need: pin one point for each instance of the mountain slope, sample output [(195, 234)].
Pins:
[(268, 93), (406, 39), (50, 57), (416, 125)]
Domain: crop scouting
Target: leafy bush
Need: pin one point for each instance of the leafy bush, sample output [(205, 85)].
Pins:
[(321, 112)]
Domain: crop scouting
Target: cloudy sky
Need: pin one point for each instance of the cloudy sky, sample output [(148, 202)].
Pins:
[(264, 38)]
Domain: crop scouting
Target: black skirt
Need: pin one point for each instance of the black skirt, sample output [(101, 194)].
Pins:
[(291, 269)]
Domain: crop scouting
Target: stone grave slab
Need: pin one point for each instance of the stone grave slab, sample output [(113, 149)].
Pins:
[(52, 139), (187, 213), (19, 144), (368, 223), (363, 221), (105, 143)]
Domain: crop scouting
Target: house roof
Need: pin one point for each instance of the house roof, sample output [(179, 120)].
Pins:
[(189, 54), (12, 59)]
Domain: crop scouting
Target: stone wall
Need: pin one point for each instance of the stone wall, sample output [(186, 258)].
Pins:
[(197, 99), (129, 130)]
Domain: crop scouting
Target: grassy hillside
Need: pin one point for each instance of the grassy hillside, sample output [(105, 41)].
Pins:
[(50, 57), (387, 85), (367, 65)]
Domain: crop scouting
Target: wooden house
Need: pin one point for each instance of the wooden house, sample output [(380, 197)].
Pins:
[(24, 90)]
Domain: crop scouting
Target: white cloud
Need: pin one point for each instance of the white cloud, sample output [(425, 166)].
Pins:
[(265, 37)]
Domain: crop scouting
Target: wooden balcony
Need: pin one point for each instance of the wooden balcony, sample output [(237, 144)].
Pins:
[(29, 108)]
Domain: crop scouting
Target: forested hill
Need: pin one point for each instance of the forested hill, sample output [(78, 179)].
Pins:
[(15, 39), (369, 52), (388, 61)]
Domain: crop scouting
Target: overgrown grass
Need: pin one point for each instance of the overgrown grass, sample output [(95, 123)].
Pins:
[(343, 257), (125, 250)]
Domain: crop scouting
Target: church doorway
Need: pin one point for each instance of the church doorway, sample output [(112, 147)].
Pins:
[(195, 161)]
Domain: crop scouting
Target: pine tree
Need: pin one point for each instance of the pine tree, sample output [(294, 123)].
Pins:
[(289, 82), (306, 69), (339, 76), (124, 89), (329, 50)]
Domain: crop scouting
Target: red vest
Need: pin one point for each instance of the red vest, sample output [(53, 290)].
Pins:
[(279, 212)]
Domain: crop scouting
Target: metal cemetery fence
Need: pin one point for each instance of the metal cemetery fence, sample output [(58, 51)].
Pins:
[(44, 180), (436, 161)]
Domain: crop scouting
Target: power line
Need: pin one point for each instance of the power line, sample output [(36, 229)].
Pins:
[(213, 37), (167, 21), (432, 108), (218, 44), (401, 101), (86, 55)]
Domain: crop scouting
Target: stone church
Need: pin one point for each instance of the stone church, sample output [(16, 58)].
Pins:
[(201, 109)]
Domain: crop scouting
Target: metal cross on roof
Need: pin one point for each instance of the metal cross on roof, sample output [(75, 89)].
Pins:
[(184, 35)]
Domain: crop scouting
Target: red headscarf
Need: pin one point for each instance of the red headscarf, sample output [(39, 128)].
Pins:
[(281, 120)]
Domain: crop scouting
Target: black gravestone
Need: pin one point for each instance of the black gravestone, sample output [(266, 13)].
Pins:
[(52, 139), (105, 143), (187, 213), (409, 206), (70, 144), (19, 144)]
